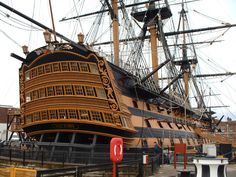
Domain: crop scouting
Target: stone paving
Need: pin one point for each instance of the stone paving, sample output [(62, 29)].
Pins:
[(169, 171)]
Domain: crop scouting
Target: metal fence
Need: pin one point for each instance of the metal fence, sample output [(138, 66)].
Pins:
[(85, 163), (126, 168)]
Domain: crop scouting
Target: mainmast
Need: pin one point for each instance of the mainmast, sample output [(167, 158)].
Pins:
[(115, 25), (154, 43)]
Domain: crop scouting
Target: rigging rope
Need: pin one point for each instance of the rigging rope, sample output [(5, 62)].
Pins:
[(19, 22), (5, 34)]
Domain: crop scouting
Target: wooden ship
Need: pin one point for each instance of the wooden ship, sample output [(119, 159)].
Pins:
[(72, 97)]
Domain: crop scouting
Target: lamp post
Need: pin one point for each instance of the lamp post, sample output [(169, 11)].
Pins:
[(80, 38), (47, 36), (25, 49)]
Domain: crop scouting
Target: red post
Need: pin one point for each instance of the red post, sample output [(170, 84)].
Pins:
[(180, 149), (114, 170)]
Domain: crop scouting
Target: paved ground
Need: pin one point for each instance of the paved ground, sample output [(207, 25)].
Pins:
[(169, 171)]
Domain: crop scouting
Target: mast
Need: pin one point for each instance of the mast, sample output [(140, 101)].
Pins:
[(53, 24), (115, 25), (154, 44), (185, 64)]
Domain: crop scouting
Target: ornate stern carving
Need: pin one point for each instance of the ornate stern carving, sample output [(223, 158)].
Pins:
[(112, 101)]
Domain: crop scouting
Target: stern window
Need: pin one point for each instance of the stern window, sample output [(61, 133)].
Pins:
[(74, 66), (79, 90), (84, 114), (94, 68), (108, 117), (96, 116), (64, 66), (89, 91), (56, 67), (101, 93), (68, 90), (84, 67), (72, 114)]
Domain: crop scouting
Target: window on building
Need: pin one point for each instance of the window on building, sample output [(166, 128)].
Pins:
[(44, 115), (59, 90), (42, 93), (84, 114), (84, 67), (94, 68), (40, 70), (56, 67), (95, 115), (48, 68), (108, 118), (78, 90), (50, 91), (135, 103), (68, 90), (65, 66), (72, 114), (101, 93), (89, 91), (62, 114), (53, 114), (74, 66)]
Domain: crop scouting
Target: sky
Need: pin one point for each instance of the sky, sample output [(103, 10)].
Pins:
[(219, 57)]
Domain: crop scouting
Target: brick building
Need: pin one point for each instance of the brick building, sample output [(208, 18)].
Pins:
[(228, 128), (6, 110)]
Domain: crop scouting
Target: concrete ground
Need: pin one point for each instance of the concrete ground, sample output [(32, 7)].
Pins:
[(169, 171)]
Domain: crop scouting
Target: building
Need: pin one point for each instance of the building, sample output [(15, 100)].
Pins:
[(228, 128), (7, 113)]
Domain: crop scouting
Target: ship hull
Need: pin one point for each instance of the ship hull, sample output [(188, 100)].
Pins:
[(77, 99)]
